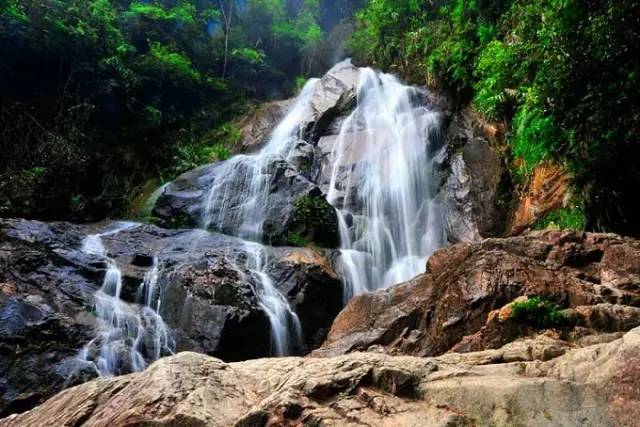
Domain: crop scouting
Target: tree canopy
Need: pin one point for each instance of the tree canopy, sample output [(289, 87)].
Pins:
[(98, 96)]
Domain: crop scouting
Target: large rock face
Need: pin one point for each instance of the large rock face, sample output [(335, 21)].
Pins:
[(256, 128), (453, 305), (45, 300), (518, 385), (209, 298), (216, 195), (472, 191)]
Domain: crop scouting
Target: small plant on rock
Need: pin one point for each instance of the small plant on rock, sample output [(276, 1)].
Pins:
[(537, 312)]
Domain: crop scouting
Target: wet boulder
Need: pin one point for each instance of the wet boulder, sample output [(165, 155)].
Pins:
[(45, 304), (473, 193), (226, 197), (256, 128), (206, 287)]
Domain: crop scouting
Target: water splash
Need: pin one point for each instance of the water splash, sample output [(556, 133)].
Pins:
[(383, 164), (128, 336)]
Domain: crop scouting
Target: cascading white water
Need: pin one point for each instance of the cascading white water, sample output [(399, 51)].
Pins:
[(127, 335), (250, 175), (383, 163), (286, 331)]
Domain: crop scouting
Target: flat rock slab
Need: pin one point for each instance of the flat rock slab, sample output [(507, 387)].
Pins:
[(592, 386)]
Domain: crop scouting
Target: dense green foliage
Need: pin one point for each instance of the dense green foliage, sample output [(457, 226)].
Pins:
[(537, 312), (564, 73), (99, 96), (563, 218)]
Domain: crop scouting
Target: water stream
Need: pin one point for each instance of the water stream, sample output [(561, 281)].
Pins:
[(128, 336), (381, 170), (250, 175), (382, 184)]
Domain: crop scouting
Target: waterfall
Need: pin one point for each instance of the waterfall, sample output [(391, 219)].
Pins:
[(286, 331), (381, 182), (383, 164), (250, 174), (127, 335)]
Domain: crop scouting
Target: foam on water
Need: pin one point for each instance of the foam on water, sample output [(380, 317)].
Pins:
[(128, 336), (394, 222)]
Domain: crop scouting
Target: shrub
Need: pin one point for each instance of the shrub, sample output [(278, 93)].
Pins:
[(314, 210), (534, 138), (564, 219), (314, 219), (172, 62), (295, 239), (537, 312), (498, 72)]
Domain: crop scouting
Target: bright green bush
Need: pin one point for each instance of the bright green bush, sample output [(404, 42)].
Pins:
[(564, 219), (534, 138), (295, 239), (499, 73), (184, 11), (173, 62), (537, 312)]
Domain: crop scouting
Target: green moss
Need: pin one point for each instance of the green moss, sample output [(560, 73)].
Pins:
[(314, 220), (537, 312), (313, 210), (564, 219), (295, 239)]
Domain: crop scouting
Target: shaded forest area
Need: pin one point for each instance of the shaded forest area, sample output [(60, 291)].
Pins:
[(103, 100), (564, 74), (99, 97)]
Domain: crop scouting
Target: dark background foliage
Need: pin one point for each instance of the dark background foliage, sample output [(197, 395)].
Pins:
[(101, 100), (97, 97)]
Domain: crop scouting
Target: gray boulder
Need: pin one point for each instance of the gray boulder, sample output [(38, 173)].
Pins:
[(472, 191)]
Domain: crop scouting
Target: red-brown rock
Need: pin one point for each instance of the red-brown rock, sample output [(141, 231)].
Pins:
[(448, 307)]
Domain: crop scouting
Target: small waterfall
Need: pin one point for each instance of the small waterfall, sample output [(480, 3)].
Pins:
[(127, 335), (250, 176), (383, 164), (286, 331)]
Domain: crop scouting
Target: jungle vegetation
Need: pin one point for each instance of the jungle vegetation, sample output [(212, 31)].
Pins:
[(97, 97), (563, 74)]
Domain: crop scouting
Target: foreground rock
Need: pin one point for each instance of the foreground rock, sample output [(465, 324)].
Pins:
[(463, 301), (597, 385), (209, 298)]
